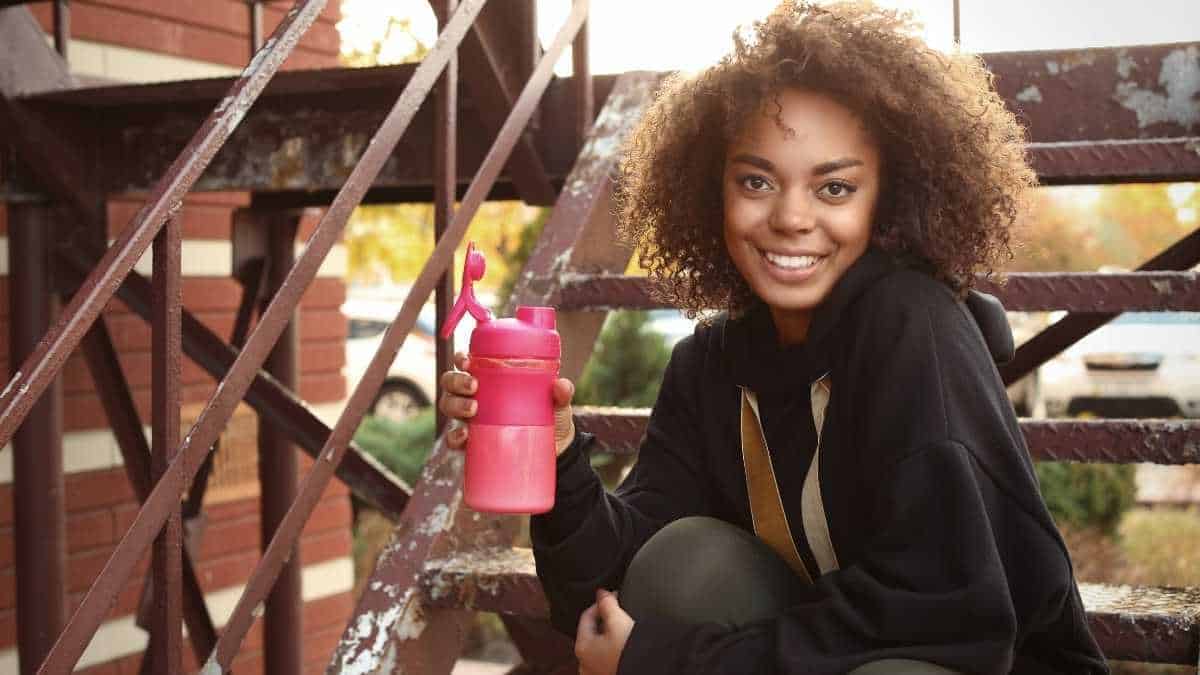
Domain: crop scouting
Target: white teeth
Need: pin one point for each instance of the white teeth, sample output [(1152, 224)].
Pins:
[(793, 262)]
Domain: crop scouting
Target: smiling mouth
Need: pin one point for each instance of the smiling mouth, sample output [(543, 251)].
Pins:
[(789, 262)]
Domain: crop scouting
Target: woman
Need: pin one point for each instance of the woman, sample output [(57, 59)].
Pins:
[(835, 185)]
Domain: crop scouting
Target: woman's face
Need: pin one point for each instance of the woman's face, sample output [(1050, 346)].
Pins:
[(799, 207)]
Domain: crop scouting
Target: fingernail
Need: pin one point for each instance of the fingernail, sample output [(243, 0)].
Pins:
[(472, 407)]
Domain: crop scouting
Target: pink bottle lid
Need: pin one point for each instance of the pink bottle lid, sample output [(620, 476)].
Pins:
[(531, 334)]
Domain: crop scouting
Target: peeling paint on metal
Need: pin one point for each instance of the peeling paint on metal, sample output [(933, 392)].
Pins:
[(360, 650), (437, 521), (1052, 67), (1162, 287), (1180, 78), (1125, 63), (287, 162), (1030, 94)]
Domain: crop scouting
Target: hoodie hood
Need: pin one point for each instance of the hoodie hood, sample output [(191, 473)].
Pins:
[(756, 358)]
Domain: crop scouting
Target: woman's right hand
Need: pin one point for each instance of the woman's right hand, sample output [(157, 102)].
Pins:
[(457, 403)]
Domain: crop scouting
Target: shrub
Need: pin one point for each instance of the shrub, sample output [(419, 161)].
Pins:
[(1087, 495), (401, 446), (627, 365)]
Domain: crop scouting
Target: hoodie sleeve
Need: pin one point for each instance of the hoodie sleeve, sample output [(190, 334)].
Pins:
[(927, 582), (588, 539)]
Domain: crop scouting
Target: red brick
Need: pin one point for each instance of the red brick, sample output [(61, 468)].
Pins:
[(227, 571), (248, 662), (153, 33), (6, 506), (330, 514), (6, 547), (8, 628), (319, 645), (329, 612), (89, 530), (200, 220), (226, 538), (93, 489), (326, 546), (8, 588)]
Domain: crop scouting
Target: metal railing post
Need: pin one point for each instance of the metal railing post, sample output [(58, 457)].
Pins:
[(445, 185), (39, 519), (283, 636)]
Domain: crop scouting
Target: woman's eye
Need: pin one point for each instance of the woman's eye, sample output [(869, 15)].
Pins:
[(838, 190), (755, 183)]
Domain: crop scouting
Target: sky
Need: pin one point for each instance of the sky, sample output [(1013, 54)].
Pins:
[(689, 34)]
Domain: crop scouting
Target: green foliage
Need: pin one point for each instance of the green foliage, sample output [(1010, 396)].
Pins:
[(401, 446), (626, 368), (1087, 495)]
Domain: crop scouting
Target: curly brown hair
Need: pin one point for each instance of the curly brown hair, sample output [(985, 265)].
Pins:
[(954, 172)]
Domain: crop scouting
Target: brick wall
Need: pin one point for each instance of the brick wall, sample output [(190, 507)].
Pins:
[(143, 41)]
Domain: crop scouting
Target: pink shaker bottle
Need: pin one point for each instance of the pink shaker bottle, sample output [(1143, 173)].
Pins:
[(510, 442)]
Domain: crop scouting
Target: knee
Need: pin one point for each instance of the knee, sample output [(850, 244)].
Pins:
[(705, 569)]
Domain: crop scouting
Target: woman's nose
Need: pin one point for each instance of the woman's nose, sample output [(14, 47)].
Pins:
[(793, 212)]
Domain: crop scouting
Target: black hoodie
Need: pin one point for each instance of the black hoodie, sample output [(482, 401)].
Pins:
[(947, 552)]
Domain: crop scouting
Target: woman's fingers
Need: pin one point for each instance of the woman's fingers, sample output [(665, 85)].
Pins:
[(458, 407), (460, 361), (461, 384), (562, 392), (586, 630)]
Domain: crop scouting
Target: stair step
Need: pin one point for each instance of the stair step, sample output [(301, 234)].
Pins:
[(1114, 441), (1134, 623)]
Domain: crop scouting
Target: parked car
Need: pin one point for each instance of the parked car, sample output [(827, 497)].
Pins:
[(1141, 364), (411, 381)]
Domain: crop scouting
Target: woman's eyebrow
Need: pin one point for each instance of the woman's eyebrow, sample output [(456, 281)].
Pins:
[(835, 165), (754, 160)]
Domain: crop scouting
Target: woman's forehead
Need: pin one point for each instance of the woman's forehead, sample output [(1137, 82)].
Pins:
[(805, 122)]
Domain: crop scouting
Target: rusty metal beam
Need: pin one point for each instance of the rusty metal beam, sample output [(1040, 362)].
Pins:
[(443, 254), (166, 620), (300, 139), (369, 479), (489, 580), (278, 469), (1023, 292), (1121, 161), (494, 66), (620, 431), (44, 363), (1104, 93), (584, 87), (1091, 292), (445, 151), (391, 623), (39, 512)]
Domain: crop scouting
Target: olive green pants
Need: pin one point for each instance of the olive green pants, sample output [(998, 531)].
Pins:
[(704, 569)]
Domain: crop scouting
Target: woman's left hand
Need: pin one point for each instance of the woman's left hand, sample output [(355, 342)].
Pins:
[(599, 648)]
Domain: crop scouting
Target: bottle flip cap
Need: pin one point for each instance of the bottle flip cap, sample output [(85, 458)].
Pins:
[(473, 269)]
